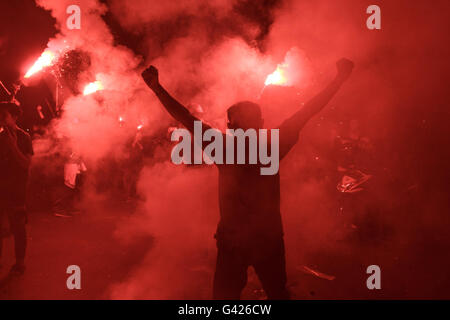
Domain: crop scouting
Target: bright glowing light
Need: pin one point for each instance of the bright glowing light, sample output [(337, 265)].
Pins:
[(139, 127), (45, 60), (120, 119), (277, 77), (92, 87)]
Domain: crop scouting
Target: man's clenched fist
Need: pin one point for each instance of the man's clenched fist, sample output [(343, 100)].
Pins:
[(150, 76)]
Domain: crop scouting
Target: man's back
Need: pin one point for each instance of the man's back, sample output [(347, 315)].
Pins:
[(249, 203), (250, 229)]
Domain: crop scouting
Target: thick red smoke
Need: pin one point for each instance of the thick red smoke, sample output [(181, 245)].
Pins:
[(216, 70)]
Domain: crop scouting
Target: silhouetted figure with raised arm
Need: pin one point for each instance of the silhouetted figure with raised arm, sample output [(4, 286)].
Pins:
[(250, 231)]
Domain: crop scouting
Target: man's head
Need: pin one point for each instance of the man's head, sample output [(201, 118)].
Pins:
[(245, 115), (9, 113)]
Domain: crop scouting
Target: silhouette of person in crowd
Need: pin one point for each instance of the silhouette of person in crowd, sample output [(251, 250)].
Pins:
[(250, 231), (15, 158)]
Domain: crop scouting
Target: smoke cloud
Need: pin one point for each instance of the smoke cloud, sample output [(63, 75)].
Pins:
[(213, 54)]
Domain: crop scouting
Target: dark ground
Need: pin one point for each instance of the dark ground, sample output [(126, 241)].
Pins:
[(54, 243), (88, 240)]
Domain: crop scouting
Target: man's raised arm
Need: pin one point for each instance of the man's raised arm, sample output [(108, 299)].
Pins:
[(290, 128), (176, 109)]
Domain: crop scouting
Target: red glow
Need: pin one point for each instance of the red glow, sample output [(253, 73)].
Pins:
[(92, 87), (277, 77), (46, 59)]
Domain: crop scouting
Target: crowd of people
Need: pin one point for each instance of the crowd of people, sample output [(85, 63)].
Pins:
[(250, 230)]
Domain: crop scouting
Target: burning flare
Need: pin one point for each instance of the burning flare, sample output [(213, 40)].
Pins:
[(92, 87), (277, 77), (45, 60)]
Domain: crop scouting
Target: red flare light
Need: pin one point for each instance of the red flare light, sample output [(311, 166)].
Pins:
[(277, 77), (92, 87), (46, 59)]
